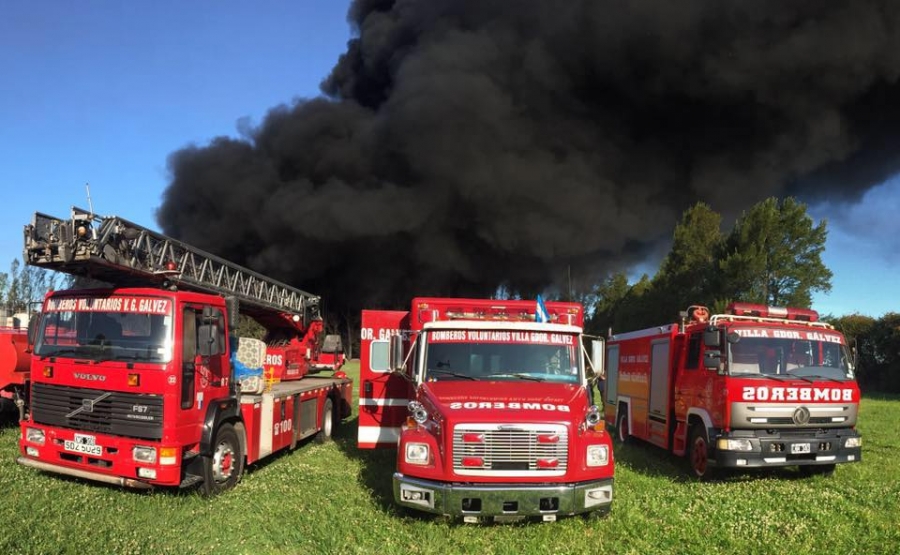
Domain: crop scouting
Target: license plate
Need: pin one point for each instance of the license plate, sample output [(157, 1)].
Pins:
[(798, 448), (83, 443)]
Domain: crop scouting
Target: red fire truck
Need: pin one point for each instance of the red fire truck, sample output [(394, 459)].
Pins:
[(490, 411), (756, 387), (14, 366), (135, 385)]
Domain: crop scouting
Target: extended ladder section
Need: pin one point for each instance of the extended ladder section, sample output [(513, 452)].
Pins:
[(117, 251)]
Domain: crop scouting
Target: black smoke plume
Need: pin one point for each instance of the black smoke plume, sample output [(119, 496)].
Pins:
[(461, 145)]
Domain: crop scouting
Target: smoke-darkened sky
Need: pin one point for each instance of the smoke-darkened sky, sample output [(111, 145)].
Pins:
[(461, 145)]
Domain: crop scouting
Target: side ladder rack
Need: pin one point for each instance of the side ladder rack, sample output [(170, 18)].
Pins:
[(115, 250)]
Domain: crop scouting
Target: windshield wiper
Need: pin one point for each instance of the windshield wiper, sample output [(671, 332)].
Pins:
[(60, 352), (454, 374), (749, 375), (519, 375)]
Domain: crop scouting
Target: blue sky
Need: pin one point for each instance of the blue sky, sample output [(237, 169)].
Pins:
[(102, 92)]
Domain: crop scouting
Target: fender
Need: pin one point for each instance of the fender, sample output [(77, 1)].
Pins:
[(702, 414), (217, 412)]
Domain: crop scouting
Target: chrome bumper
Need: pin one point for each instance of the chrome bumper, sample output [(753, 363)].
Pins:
[(502, 500), (85, 474)]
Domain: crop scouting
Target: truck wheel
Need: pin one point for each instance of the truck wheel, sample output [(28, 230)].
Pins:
[(324, 434), (817, 470), (622, 427), (698, 454), (223, 469)]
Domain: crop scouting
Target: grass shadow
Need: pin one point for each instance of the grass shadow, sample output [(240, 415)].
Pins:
[(376, 465), (653, 461)]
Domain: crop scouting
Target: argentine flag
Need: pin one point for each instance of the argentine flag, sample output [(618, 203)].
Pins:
[(540, 312)]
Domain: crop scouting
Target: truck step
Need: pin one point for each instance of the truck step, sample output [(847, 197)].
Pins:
[(190, 480)]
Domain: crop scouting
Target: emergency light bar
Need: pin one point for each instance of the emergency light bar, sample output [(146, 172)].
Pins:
[(763, 311), (516, 311)]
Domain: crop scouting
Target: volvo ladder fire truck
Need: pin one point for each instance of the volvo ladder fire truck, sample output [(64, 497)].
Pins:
[(490, 411), (757, 386), (135, 385)]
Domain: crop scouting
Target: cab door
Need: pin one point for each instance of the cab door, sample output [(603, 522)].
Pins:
[(383, 395)]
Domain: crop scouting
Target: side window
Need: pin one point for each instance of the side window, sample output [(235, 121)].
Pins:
[(379, 356), (188, 356), (693, 352)]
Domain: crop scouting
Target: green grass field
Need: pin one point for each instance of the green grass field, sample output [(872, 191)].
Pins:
[(334, 498)]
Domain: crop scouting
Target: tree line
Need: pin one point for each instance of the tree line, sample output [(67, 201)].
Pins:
[(23, 288), (771, 256)]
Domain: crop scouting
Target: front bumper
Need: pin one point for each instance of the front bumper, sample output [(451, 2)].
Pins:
[(502, 500), (825, 447)]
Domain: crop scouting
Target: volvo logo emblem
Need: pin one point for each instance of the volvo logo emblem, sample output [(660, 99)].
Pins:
[(87, 405), (801, 416)]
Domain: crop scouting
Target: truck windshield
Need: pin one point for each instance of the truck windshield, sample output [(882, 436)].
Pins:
[(502, 355), (107, 328), (806, 355)]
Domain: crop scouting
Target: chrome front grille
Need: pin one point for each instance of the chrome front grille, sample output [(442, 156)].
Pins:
[(510, 450)]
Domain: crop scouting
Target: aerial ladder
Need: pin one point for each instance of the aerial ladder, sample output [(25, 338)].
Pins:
[(114, 250)]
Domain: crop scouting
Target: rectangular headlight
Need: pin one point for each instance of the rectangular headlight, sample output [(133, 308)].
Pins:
[(853, 442), (145, 455), (34, 435), (734, 444), (597, 455), (417, 453)]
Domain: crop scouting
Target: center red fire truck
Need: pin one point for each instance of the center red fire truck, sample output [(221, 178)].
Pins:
[(490, 411), (756, 387), (135, 385)]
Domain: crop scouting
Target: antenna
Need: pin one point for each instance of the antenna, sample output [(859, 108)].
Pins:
[(87, 187)]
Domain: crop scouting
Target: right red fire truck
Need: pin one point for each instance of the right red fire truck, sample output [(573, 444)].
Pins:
[(757, 386)]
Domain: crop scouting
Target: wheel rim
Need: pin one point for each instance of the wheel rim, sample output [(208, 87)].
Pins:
[(699, 456), (327, 417), (223, 462), (623, 429)]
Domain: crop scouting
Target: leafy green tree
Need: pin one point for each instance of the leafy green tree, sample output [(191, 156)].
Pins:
[(689, 273), (26, 285), (773, 256), (858, 330), (621, 306)]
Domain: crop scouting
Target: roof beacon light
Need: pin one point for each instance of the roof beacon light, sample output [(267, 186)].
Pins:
[(763, 311)]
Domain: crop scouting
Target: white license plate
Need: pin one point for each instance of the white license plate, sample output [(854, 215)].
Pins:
[(798, 448), (83, 443)]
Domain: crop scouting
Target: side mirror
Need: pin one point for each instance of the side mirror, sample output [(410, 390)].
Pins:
[(396, 353), (712, 360), (597, 350), (712, 338), (209, 343), (34, 324)]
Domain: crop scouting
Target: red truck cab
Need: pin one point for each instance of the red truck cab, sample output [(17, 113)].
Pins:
[(756, 386), (491, 411)]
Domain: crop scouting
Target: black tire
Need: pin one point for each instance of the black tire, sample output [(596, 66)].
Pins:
[(698, 454), (817, 469), (622, 426), (328, 420), (223, 469)]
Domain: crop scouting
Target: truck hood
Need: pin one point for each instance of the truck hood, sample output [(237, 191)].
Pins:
[(504, 401)]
